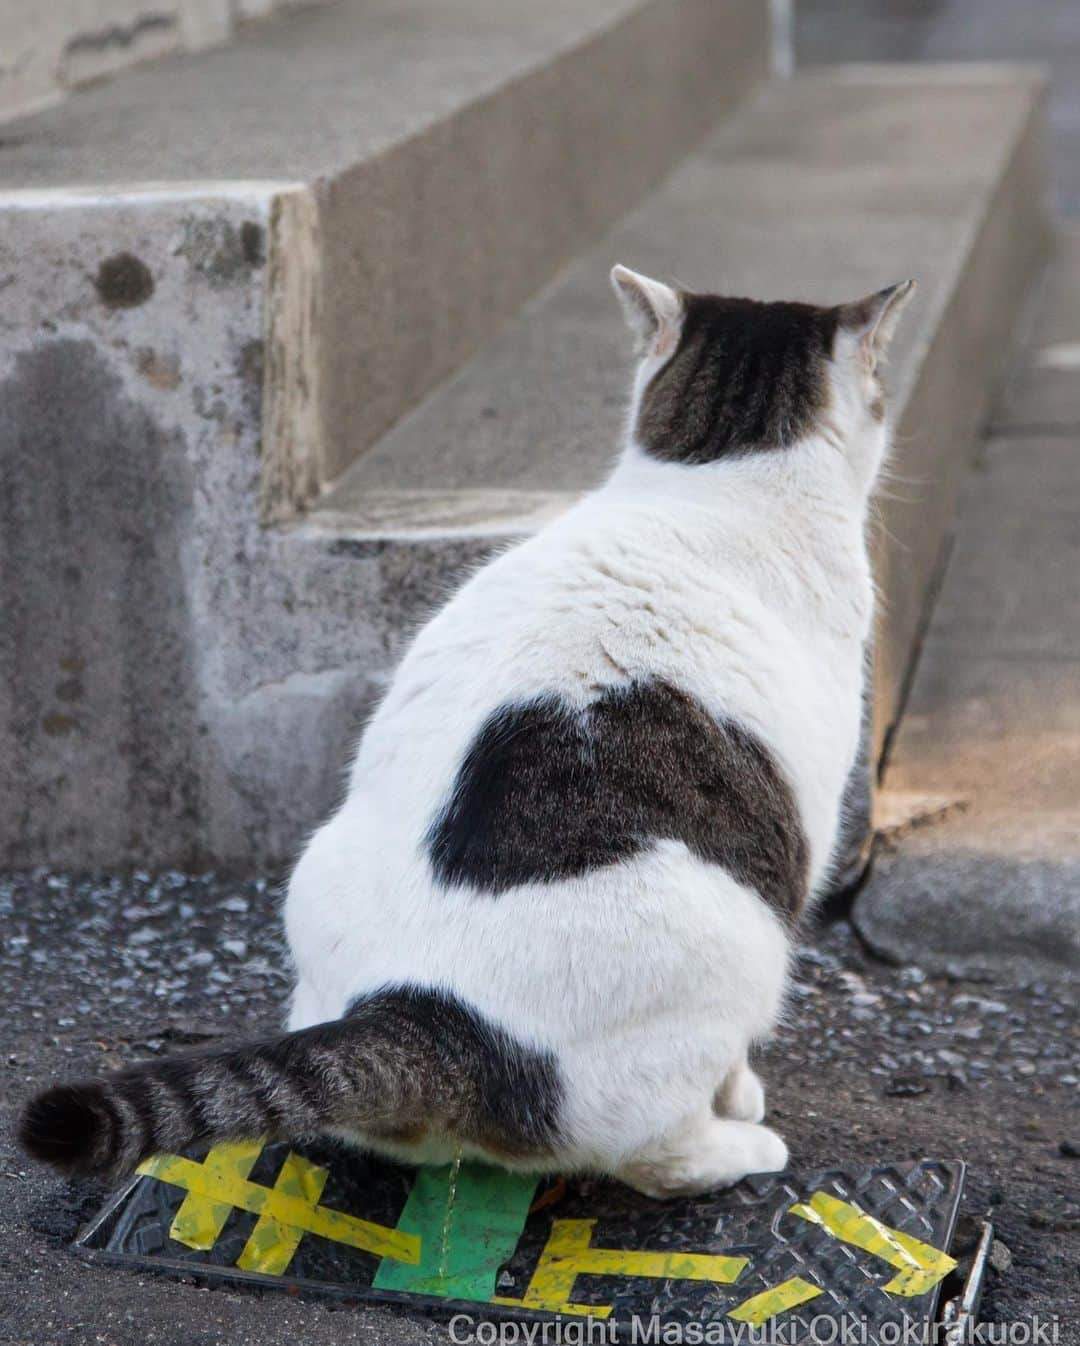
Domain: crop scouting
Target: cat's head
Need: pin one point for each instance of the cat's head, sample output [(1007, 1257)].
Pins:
[(721, 378)]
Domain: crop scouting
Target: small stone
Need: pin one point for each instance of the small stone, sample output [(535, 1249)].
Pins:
[(950, 1058), (237, 947), (1025, 1067), (200, 958), (1069, 1150), (912, 976), (977, 1002), (906, 1086), (818, 958), (237, 904), (1000, 1257)]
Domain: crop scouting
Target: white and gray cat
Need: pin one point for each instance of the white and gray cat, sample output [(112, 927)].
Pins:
[(556, 909)]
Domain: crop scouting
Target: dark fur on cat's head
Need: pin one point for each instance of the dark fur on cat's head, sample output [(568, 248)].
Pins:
[(725, 376)]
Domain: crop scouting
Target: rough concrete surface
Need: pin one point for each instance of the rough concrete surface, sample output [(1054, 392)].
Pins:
[(121, 422), (962, 30), (422, 131), (163, 654), (279, 636), (788, 199), (993, 717), (1040, 397), (306, 96), (874, 1064)]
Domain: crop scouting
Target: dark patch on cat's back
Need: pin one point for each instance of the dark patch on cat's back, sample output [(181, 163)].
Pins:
[(548, 791), (477, 1081), (745, 377)]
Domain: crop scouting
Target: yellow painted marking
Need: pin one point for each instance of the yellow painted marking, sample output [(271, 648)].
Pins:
[(219, 1186), (199, 1222), (272, 1244), (569, 1254), (920, 1266), (760, 1308)]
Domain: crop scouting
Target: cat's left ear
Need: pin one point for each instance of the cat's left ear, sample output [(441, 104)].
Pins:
[(873, 320), (653, 311)]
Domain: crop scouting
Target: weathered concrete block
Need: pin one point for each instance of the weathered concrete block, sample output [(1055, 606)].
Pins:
[(181, 681), (128, 384), (967, 911), (454, 158)]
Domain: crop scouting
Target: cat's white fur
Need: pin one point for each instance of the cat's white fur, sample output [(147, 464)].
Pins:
[(747, 584)]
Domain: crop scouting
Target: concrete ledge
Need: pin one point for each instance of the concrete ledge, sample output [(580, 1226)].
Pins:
[(991, 729), (830, 185), (184, 683), (962, 910), (452, 158)]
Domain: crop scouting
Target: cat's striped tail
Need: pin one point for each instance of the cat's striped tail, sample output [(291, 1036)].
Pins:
[(402, 1062)]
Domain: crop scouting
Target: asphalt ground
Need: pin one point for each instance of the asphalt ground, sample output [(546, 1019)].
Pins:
[(875, 1064)]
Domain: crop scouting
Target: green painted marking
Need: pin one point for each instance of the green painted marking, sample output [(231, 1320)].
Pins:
[(489, 1213)]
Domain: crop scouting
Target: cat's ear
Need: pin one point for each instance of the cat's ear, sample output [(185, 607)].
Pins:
[(873, 320), (653, 310)]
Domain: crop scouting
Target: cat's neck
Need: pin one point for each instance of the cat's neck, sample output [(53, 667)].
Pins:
[(813, 473)]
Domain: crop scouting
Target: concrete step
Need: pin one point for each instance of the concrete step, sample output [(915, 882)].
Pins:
[(990, 882), (207, 671), (820, 189), (410, 171)]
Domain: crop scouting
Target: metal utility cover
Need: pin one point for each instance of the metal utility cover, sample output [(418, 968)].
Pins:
[(866, 1247)]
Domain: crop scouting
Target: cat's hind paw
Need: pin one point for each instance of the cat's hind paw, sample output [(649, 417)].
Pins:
[(741, 1096), (719, 1154)]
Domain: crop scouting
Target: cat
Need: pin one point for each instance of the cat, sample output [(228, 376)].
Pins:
[(556, 908)]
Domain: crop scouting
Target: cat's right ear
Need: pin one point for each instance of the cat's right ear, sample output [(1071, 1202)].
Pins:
[(653, 311)]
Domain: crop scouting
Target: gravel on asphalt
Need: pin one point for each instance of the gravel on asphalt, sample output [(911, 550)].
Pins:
[(874, 1063)]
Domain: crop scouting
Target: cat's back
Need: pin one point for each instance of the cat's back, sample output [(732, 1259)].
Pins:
[(618, 588), (586, 691)]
